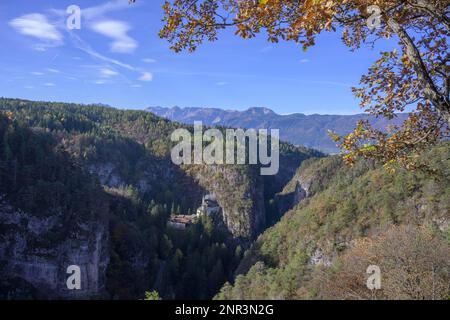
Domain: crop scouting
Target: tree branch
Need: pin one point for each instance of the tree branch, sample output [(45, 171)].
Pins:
[(440, 102), (425, 6)]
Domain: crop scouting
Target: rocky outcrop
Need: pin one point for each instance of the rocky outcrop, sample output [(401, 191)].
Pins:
[(107, 174), (319, 258), (310, 178), (289, 198), (148, 176), (239, 192), (36, 252), (301, 192)]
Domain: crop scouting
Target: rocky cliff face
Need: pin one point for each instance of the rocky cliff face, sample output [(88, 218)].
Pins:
[(240, 194), (239, 190), (311, 177), (295, 191), (36, 251)]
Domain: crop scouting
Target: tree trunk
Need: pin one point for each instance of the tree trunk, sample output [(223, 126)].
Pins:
[(431, 93), (430, 9)]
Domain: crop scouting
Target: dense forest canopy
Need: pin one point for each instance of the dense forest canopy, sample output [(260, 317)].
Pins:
[(351, 216), (53, 156), (356, 217), (43, 172)]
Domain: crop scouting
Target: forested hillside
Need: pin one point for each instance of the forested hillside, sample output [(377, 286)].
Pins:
[(349, 218), (111, 171), (51, 213), (95, 186)]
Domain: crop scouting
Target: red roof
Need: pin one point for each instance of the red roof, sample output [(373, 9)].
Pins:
[(185, 219)]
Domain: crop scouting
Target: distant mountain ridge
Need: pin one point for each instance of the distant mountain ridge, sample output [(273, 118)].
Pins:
[(297, 128)]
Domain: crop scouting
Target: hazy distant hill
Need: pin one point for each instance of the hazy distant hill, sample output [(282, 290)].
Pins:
[(300, 129)]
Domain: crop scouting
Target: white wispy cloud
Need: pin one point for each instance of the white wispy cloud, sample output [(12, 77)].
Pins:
[(222, 83), (118, 31), (100, 82), (100, 10), (49, 84), (36, 73), (48, 29), (83, 46), (90, 13), (36, 25), (136, 86), (52, 70), (146, 76), (304, 60), (107, 73)]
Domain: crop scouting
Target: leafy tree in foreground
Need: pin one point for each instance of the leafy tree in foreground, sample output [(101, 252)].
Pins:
[(415, 77)]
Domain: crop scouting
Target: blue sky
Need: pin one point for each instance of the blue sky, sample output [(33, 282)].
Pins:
[(117, 58)]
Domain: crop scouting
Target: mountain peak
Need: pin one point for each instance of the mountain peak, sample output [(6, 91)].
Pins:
[(261, 111), (297, 128)]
